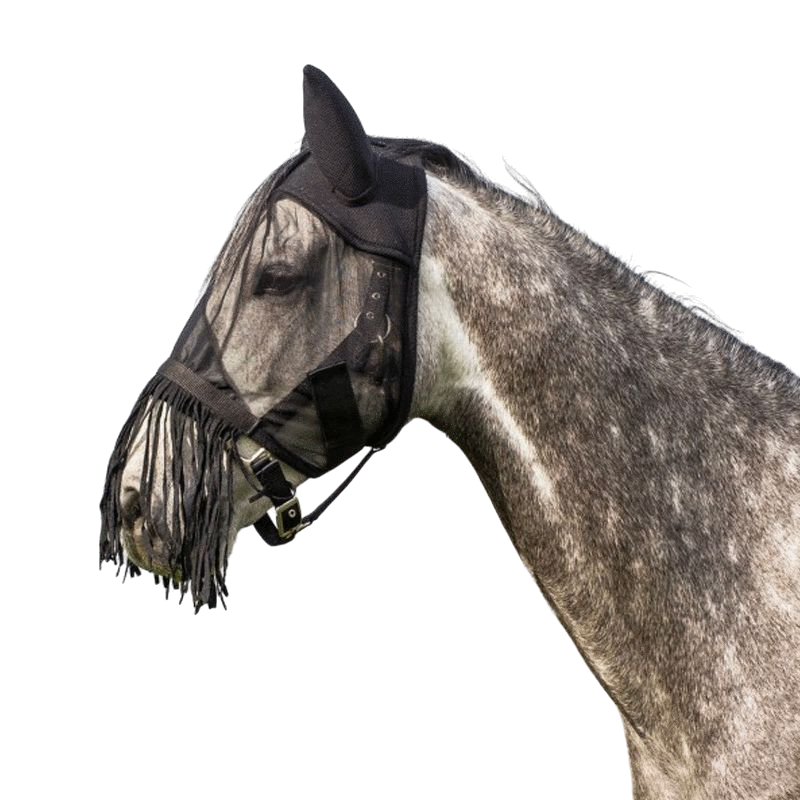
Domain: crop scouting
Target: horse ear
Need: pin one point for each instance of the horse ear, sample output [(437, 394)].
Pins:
[(336, 138)]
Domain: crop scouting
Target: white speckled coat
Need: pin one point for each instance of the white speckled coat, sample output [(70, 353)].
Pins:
[(645, 464)]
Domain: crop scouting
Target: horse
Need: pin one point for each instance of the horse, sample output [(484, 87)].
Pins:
[(644, 462)]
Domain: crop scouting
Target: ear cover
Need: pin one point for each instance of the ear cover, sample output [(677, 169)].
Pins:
[(377, 203), (335, 136)]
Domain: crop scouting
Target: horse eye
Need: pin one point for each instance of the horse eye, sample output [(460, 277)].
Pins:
[(275, 279)]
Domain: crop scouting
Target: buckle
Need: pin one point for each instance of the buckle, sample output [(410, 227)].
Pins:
[(259, 459), (264, 474), (289, 519)]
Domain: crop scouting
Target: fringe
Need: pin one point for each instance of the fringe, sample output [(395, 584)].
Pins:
[(195, 525), (187, 505)]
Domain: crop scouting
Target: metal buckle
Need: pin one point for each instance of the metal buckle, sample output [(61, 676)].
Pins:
[(378, 338), (289, 519), (260, 453), (288, 516), (258, 459)]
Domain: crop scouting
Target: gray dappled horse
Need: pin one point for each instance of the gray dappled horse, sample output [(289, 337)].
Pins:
[(644, 462)]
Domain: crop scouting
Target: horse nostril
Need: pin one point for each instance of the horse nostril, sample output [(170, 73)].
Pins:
[(131, 507)]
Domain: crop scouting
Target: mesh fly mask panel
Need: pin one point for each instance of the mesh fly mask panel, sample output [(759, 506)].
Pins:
[(304, 340), (334, 304)]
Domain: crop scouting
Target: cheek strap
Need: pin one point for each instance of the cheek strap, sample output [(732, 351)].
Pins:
[(342, 431)]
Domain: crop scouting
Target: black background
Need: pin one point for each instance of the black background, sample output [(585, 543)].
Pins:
[(409, 582)]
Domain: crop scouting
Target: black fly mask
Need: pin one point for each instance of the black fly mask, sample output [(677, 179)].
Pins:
[(324, 258)]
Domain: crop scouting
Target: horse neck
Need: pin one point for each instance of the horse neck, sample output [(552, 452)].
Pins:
[(467, 297), (464, 276), (643, 461)]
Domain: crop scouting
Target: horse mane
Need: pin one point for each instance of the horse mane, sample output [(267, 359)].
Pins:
[(692, 315)]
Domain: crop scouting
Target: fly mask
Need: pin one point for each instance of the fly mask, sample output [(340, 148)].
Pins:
[(206, 396)]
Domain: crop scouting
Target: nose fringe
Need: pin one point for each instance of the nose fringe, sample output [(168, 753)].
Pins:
[(168, 502)]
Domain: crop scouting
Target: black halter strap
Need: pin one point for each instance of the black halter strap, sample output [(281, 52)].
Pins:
[(281, 528)]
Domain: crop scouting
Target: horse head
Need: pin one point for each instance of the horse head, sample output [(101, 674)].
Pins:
[(298, 354)]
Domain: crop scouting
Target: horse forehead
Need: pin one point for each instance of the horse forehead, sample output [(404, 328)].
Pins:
[(293, 228)]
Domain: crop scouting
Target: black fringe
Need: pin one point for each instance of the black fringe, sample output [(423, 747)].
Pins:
[(193, 527), (187, 516)]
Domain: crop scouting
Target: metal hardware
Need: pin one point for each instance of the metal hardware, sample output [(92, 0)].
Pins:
[(289, 519), (379, 338), (259, 454), (288, 516)]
